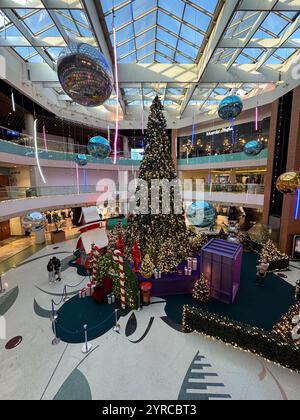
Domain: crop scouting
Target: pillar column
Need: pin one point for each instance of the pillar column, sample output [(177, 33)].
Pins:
[(125, 147), (290, 226)]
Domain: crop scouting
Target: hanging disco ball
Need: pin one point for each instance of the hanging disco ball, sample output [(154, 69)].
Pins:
[(230, 107), (81, 160), (253, 148), (288, 183), (84, 74), (34, 221), (99, 147), (201, 214)]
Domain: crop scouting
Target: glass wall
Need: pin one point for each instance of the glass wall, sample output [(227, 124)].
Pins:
[(223, 141)]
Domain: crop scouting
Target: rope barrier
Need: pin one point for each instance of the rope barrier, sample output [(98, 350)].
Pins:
[(90, 329)]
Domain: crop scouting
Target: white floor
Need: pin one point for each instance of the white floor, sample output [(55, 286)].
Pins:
[(155, 368)]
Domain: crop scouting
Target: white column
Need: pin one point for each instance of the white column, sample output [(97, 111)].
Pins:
[(126, 147)]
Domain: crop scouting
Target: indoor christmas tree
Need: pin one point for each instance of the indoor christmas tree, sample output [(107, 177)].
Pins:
[(147, 267), (201, 290), (161, 226)]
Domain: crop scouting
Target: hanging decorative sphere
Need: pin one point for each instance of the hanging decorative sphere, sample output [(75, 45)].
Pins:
[(201, 214), (34, 221), (288, 183), (81, 160), (99, 147), (84, 74), (230, 107), (253, 148)]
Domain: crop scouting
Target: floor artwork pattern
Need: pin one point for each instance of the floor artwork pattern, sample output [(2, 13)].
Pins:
[(162, 363)]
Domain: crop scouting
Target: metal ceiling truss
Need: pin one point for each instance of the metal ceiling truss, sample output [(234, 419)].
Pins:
[(240, 49)]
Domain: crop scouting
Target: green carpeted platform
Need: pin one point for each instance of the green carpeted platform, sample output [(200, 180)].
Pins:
[(257, 306), (75, 313)]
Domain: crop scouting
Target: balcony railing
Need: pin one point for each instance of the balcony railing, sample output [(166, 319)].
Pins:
[(14, 193)]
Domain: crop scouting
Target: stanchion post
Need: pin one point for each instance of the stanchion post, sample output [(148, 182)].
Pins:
[(1, 287), (86, 348), (54, 314), (55, 340), (139, 301), (65, 297), (117, 326)]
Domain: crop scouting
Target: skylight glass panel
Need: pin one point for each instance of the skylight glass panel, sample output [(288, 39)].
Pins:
[(285, 53), (168, 22), (148, 59), (146, 37), (38, 22), (275, 23), (196, 18), (182, 59), (176, 7), (162, 59), (165, 50), (24, 12), (145, 50), (145, 22), (54, 52), (191, 35), (187, 49), (168, 38)]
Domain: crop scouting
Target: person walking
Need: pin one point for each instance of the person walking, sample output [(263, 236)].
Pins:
[(261, 274), (50, 269), (57, 268)]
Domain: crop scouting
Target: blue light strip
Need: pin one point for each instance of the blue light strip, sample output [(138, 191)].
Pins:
[(297, 204), (232, 133), (193, 132), (84, 180)]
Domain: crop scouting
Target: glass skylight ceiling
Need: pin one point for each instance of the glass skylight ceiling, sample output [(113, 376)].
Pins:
[(171, 32), (163, 31)]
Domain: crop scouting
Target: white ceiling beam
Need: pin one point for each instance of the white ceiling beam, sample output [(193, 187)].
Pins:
[(135, 74), (217, 33), (261, 17), (261, 5), (36, 4), (264, 43), (25, 32), (18, 41), (293, 28)]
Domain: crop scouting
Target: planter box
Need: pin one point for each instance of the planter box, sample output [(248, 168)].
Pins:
[(57, 237)]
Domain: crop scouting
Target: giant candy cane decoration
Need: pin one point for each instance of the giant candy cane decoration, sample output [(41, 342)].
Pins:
[(95, 255), (118, 258)]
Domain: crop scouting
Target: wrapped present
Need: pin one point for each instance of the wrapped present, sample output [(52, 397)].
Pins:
[(82, 294), (195, 264), (190, 263), (157, 273), (189, 272), (109, 299), (180, 272), (113, 298), (186, 271), (90, 288)]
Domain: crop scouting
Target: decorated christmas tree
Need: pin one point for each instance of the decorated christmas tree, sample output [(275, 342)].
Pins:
[(199, 241), (201, 290), (161, 222), (271, 255), (147, 267), (117, 232)]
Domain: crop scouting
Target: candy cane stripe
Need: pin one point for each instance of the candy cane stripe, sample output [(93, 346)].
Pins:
[(118, 258)]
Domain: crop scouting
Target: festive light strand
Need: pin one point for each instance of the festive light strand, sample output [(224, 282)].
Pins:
[(45, 138), (13, 104), (36, 152), (256, 119), (117, 94)]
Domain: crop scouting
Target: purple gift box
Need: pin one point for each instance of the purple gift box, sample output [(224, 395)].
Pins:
[(221, 263)]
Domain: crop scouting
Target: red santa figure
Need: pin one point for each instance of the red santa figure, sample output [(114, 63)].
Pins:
[(136, 255)]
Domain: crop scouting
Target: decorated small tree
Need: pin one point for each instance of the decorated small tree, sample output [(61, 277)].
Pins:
[(271, 255), (147, 267), (166, 259), (199, 241), (201, 290)]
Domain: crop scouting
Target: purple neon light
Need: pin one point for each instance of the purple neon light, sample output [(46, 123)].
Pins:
[(297, 205), (45, 138), (117, 93)]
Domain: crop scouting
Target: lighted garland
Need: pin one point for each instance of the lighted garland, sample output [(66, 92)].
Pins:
[(285, 326), (245, 337)]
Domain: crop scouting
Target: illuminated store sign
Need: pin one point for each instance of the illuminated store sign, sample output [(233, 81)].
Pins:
[(220, 131)]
